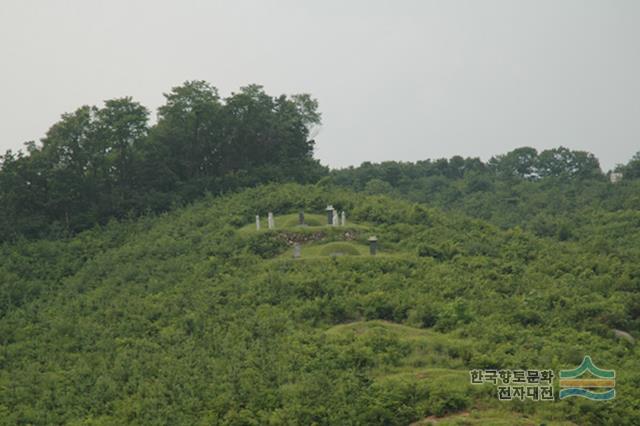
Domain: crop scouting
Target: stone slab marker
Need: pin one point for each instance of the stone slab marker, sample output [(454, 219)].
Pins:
[(373, 245), (258, 222), (330, 214), (272, 224), (301, 217), (343, 218), (296, 250), (336, 220)]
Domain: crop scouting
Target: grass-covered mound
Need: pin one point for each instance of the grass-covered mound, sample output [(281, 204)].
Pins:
[(339, 249), (185, 319), (309, 220), (317, 238)]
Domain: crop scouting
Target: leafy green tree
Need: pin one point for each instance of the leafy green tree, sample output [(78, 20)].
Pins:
[(67, 163), (189, 131), (120, 129), (520, 163), (261, 130), (562, 162)]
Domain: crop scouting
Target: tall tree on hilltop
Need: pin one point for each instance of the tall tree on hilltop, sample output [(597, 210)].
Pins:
[(562, 162), (520, 163), (68, 162), (188, 133), (120, 129)]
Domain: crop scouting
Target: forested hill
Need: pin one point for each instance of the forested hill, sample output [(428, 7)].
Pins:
[(136, 289), (195, 317)]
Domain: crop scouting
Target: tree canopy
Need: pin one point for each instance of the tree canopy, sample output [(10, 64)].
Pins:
[(106, 162)]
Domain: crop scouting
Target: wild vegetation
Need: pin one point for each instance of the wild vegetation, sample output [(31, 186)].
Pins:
[(178, 311)]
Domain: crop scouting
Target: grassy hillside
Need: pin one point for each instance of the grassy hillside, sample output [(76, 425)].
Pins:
[(194, 317)]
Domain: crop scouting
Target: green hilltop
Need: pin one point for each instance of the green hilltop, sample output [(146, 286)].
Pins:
[(194, 317)]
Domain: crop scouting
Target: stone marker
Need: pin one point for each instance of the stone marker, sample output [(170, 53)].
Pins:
[(296, 250), (272, 224), (373, 245), (343, 218), (330, 214), (301, 217), (336, 221), (258, 222)]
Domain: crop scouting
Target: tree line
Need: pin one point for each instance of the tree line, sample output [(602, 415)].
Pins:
[(543, 191), (99, 163)]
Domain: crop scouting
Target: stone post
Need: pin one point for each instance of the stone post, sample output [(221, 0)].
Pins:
[(373, 245), (272, 224), (257, 222), (296, 250), (335, 221), (343, 218), (301, 217), (330, 214)]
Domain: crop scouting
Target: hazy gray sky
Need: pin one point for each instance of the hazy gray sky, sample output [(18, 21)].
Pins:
[(396, 80)]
